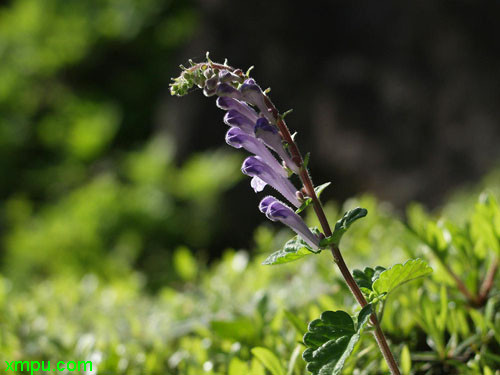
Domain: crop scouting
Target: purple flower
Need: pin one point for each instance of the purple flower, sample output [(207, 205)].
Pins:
[(225, 89), (255, 167), (238, 138), (227, 76), (228, 104), (270, 136), (252, 93), (236, 119), (278, 211)]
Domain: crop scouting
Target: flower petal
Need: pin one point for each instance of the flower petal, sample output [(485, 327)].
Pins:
[(227, 104), (254, 166), (252, 93), (225, 89), (236, 119), (270, 136), (237, 138), (278, 211)]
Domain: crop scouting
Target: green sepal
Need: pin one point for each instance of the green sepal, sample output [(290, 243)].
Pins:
[(293, 249), (342, 225), (318, 190), (331, 339)]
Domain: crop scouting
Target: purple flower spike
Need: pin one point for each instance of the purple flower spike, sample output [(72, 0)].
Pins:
[(224, 89), (238, 138), (255, 167), (243, 108), (270, 136), (278, 211), (236, 119), (252, 93)]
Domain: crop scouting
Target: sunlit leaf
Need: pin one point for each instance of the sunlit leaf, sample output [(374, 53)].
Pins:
[(331, 339), (269, 360), (400, 274), (294, 249)]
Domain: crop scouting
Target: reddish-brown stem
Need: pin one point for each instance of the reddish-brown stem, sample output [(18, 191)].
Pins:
[(488, 282), (471, 298)]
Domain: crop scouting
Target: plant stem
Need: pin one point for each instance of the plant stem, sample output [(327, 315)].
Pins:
[(337, 255), (488, 282)]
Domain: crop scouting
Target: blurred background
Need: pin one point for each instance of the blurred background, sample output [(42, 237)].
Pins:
[(101, 169)]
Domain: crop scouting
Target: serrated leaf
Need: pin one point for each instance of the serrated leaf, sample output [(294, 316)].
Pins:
[(331, 339), (293, 249), (343, 225), (318, 189), (268, 360), (400, 274), (366, 278)]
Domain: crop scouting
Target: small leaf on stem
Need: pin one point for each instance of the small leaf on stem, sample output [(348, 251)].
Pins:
[(343, 225), (294, 249)]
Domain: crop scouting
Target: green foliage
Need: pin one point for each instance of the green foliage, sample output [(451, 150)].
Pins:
[(87, 182), (269, 360), (293, 249), (399, 274), (208, 319), (331, 339)]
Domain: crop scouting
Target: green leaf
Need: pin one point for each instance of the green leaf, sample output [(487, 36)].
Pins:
[(400, 274), (343, 225), (293, 249), (299, 325), (331, 339), (318, 189), (428, 230), (237, 367), (485, 226), (240, 329), (405, 360), (366, 278), (269, 360)]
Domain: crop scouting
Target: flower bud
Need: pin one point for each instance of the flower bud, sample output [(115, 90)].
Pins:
[(226, 90)]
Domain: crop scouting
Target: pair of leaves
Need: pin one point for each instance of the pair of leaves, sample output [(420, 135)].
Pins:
[(377, 283), (297, 248), (331, 339)]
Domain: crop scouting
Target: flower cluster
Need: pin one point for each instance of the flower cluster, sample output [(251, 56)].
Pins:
[(252, 127)]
